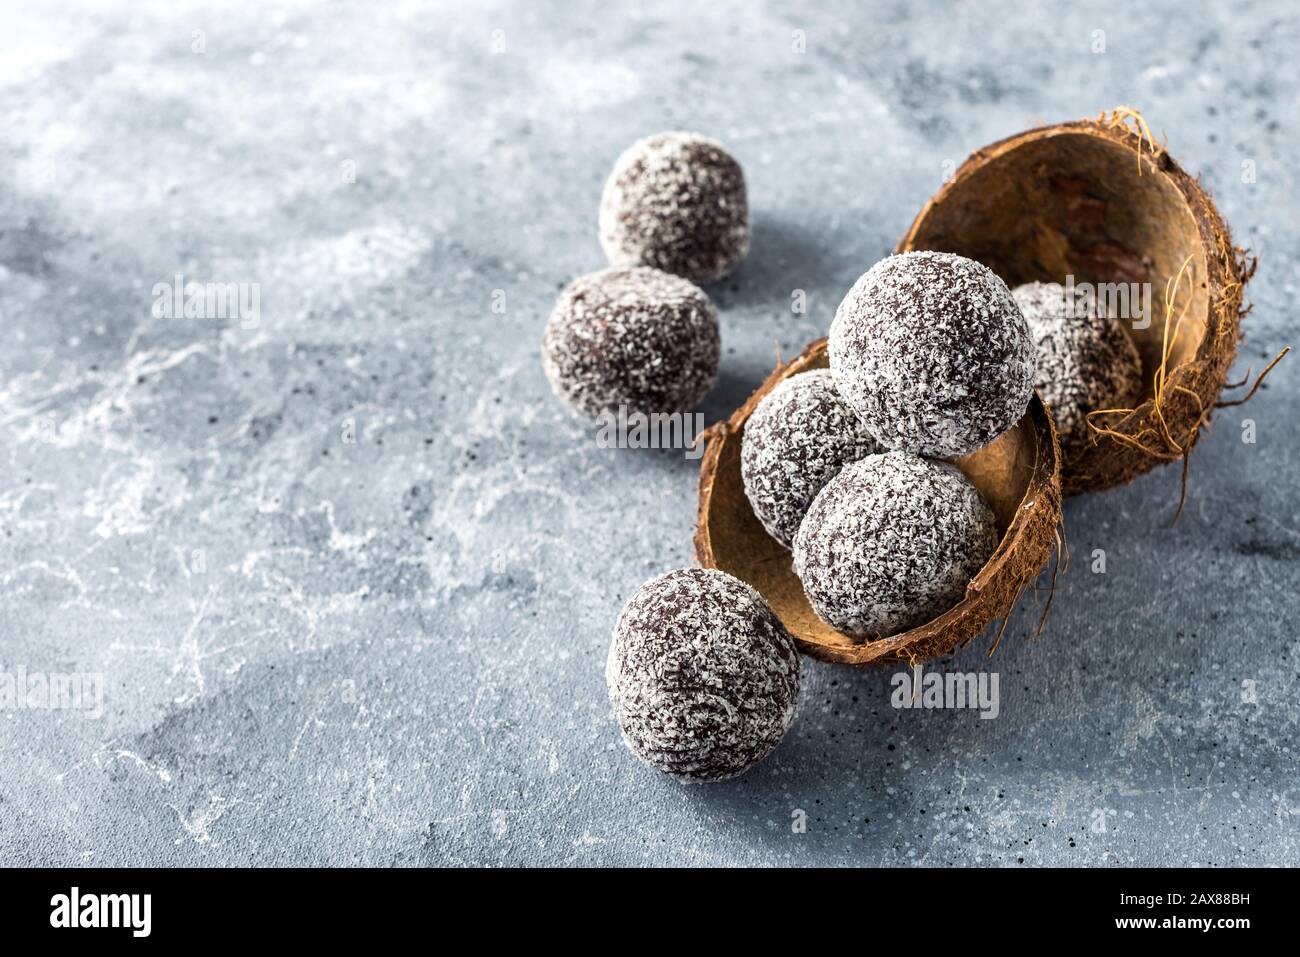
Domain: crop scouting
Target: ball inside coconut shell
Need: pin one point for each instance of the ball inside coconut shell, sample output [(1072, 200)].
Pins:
[(891, 542), (1018, 475), (1098, 201), (799, 438), (931, 351), (1086, 361)]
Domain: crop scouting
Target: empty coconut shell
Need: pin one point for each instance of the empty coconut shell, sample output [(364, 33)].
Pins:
[(1018, 475), (1100, 201)]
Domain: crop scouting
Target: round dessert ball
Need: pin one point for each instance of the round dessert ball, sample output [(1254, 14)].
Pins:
[(703, 676), (933, 354), (890, 543), (797, 440), (1086, 361), (676, 201), (632, 337)]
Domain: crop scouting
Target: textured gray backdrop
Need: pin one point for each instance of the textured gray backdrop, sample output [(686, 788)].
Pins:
[(390, 651)]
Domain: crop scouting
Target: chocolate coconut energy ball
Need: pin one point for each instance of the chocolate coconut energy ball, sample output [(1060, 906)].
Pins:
[(890, 543), (633, 337), (676, 201), (703, 676), (933, 354), (797, 440), (1086, 361)]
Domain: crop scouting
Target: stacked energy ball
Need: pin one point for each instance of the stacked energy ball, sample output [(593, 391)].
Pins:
[(1086, 361), (851, 468), (930, 359), (641, 335)]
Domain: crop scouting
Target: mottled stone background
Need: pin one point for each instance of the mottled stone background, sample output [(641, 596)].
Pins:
[(390, 651)]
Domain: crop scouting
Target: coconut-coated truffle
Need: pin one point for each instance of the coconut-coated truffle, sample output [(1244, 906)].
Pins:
[(1086, 361), (796, 441), (933, 354), (890, 543), (703, 676), (676, 201), (633, 337)]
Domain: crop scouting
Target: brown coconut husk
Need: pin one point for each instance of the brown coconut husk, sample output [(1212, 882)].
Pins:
[(1018, 475), (1099, 199)]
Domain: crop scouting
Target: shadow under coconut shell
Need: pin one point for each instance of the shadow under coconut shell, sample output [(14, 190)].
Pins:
[(733, 387), (783, 257), (851, 755), (846, 738), (672, 441)]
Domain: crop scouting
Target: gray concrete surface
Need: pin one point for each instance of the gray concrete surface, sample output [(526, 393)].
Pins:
[(390, 650)]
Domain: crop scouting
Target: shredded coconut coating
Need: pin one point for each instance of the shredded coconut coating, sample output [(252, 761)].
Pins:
[(635, 337), (1086, 361), (703, 676), (676, 201), (798, 439), (933, 354), (891, 543)]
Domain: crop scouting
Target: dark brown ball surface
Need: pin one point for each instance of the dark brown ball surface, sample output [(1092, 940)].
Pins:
[(933, 354), (676, 201), (891, 542), (703, 676), (1086, 361), (797, 440), (631, 337)]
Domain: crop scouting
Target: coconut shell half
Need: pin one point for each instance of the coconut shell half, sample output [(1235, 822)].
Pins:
[(1100, 201), (1018, 475)]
